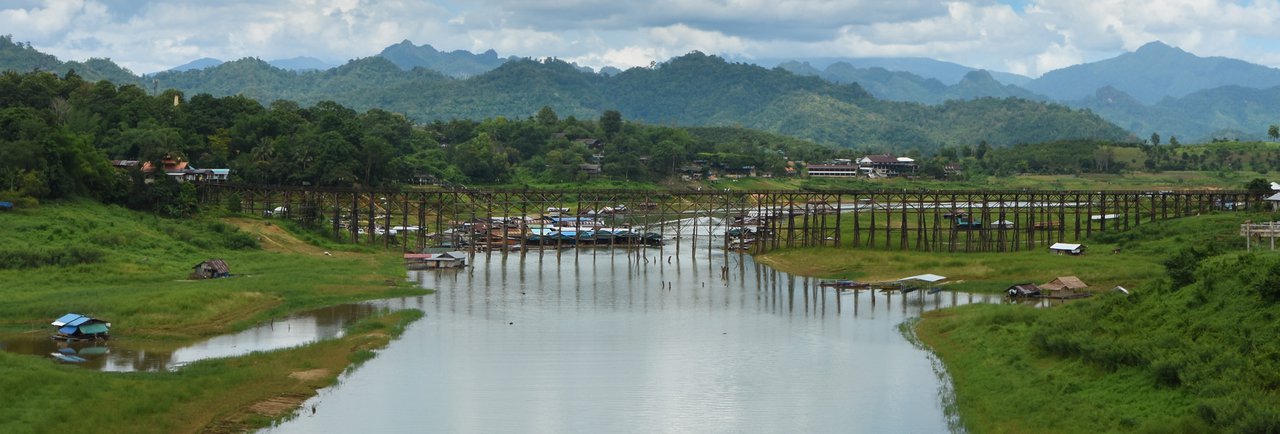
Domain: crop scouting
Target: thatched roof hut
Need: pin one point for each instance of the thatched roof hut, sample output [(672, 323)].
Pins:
[(1065, 285)]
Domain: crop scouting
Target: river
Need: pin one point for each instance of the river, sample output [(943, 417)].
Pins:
[(652, 340)]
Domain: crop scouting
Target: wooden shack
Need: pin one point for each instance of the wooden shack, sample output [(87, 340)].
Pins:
[(1066, 287), (1023, 290), (211, 269), (425, 261)]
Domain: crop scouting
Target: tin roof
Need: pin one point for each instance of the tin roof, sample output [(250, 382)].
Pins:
[(931, 278), (63, 320), (1064, 246), (218, 266)]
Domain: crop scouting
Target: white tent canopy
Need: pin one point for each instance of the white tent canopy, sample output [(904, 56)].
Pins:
[(931, 278)]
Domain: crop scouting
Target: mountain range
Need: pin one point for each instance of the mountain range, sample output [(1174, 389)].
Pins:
[(300, 63), (1156, 88)]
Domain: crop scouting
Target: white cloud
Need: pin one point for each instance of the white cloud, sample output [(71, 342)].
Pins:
[(1042, 35)]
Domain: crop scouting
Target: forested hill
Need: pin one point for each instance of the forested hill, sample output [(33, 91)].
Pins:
[(695, 89), (19, 57)]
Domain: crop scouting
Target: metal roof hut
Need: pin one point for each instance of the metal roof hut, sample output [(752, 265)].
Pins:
[(1274, 200), (1067, 249), (211, 269), (420, 261), (922, 281), (1023, 290), (1067, 286), (74, 326)]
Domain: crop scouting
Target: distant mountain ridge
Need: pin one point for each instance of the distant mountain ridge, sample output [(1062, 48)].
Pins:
[(1151, 73), (905, 86), (299, 63), (947, 73), (695, 89), (457, 63), (1240, 110)]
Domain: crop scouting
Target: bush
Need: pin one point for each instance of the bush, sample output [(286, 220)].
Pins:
[(62, 257)]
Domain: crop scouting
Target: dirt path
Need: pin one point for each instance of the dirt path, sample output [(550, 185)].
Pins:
[(275, 239)]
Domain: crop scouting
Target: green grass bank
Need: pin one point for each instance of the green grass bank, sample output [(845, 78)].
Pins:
[(1195, 348), (131, 269)]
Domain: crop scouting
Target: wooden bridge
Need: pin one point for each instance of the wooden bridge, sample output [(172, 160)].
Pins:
[(756, 221)]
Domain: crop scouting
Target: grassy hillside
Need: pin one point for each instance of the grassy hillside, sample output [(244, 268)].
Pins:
[(1197, 351), (129, 267)]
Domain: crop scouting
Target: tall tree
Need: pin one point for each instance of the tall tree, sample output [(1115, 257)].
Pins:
[(611, 123), (547, 117), (1274, 132), (1155, 139)]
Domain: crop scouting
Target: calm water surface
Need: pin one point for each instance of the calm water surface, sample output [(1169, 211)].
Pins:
[(122, 354), (677, 340)]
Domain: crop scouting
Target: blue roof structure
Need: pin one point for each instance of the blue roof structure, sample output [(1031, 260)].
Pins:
[(63, 320), (73, 324)]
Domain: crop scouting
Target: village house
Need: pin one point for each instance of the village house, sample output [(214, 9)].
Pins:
[(886, 166), (871, 166), (175, 168), (838, 168), (592, 143), (740, 172), (1274, 200), (591, 170)]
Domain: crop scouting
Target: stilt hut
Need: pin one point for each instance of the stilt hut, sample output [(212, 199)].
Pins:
[(1066, 287), (422, 261), (74, 326), (1023, 290)]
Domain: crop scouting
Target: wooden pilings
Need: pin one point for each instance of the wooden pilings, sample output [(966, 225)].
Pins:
[(756, 221)]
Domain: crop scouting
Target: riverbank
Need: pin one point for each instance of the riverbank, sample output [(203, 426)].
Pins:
[(131, 269), (1192, 349), (988, 273)]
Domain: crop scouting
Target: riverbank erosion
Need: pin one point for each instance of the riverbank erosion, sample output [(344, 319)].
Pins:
[(132, 269), (1193, 348)]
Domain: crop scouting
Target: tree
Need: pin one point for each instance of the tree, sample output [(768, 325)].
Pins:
[(1173, 141), (546, 116), (1258, 186), (1155, 139), (611, 123), (1274, 132)]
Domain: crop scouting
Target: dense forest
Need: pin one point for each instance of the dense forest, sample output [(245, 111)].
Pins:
[(59, 134)]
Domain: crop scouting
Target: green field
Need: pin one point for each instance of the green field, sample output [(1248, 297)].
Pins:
[(1170, 180), (131, 269)]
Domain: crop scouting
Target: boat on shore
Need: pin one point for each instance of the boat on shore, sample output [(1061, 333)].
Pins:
[(843, 284)]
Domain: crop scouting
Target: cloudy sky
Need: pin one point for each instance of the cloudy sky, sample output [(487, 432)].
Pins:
[(1023, 36)]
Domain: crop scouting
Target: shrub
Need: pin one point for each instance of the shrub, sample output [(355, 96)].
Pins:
[(62, 257)]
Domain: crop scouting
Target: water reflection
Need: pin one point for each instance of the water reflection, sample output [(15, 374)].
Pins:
[(122, 354), (675, 339)]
